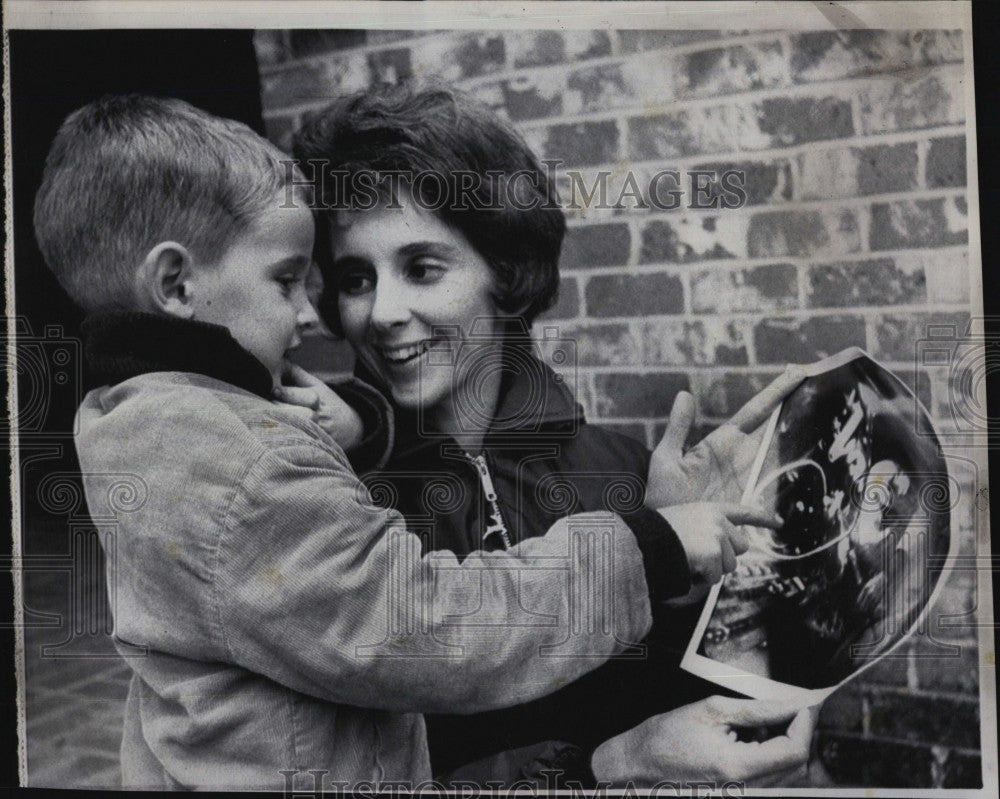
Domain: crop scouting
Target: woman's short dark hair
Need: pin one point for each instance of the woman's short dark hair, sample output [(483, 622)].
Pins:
[(458, 159)]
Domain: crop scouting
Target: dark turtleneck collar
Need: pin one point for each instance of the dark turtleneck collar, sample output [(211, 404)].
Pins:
[(119, 345)]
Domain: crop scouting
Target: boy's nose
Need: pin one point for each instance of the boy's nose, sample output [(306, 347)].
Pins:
[(307, 318)]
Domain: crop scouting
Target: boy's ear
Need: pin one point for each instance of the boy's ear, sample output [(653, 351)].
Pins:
[(164, 280)]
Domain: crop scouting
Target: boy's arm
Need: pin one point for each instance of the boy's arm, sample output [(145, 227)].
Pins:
[(322, 591)]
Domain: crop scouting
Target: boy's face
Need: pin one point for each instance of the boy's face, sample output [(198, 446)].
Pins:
[(257, 288)]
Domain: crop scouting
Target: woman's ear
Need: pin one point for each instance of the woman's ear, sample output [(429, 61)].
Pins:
[(165, 280)]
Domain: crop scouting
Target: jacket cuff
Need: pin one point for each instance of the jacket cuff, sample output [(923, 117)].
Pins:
[(663, 557), (373, 451)]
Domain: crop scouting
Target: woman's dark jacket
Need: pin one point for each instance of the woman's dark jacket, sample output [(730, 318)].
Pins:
[(545, 462)]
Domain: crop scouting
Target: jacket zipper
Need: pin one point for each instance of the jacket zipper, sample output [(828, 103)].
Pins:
[(497, 526)]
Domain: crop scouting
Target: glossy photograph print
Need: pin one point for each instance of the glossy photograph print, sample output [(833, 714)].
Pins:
[(853, 468)]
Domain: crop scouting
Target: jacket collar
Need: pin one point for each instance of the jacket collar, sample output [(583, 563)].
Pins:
[(119, 345), (533, 399)]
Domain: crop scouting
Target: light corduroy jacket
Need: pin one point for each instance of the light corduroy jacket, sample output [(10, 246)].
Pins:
[(292, 625)]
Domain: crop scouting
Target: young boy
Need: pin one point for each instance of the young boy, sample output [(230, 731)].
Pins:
[(290, 624)]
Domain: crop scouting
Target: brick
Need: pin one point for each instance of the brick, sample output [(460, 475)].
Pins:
[(567, 303), (637, 395), (634, 295), (536, 48), (583, 44), (315, 82), (280, 131), (921, 719), (938, 46), (762, 182), (947, 276), (896, 337), (543, 48), (841, 757), (802, 233), (890, 670), (480, 55), (633, 41), (960, 770), (886, 168), (874, 763), (378, 37), (763, 288), (271, 47), (702, 342), (787, 340), (596, 245), (879, 281), (691, 131), (598, 88), (732, 69), (918, 223), (526, 98), (492, 95), (828, 55), (842, 711), (724, 394), (827, 174), (390, 66), (312, 42), (785, 121), (911, 103), (831, 55), (604, 345), (692, 239), (946, 162), (454, 58), (583, 143)]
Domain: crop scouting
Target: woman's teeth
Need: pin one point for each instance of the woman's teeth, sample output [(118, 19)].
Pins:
[(399, 355)]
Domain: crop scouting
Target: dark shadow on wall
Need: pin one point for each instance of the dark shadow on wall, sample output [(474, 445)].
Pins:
[(52, 73)]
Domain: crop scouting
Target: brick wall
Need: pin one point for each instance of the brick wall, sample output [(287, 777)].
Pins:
[(853, 233)]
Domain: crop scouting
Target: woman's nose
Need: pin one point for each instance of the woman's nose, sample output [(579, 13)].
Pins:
[(390, 306)]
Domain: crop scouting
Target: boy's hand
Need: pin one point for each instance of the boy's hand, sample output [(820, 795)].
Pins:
[(716, 468), (329, 411), (712, 539)]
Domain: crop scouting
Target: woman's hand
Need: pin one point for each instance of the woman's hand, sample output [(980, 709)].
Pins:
[(712, 539), (716, 468), (327, 409), (699, 742)]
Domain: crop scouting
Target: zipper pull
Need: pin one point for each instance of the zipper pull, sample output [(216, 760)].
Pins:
[(486, 480), (485, 477)]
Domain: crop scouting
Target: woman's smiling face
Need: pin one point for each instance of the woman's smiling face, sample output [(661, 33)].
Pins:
[(410, 288)]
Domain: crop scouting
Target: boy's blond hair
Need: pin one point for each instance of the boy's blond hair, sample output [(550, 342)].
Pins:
[(127, 172)]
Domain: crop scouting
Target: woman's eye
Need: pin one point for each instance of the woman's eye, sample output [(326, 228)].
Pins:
[(356, 283), (288, 283), (425, 271)]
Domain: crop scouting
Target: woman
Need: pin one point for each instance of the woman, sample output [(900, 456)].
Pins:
[(441, 248)]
